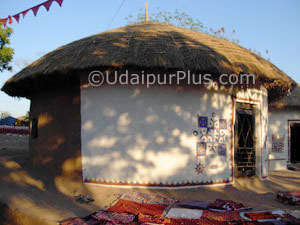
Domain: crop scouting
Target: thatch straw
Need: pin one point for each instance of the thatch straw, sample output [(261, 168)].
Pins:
[(147, 45), (292, 101)]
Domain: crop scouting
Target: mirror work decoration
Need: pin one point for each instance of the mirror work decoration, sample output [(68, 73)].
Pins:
[(213, 135)]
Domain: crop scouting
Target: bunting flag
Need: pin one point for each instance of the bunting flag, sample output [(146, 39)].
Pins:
[(4, 21), (25, 12), (34, 9), (10, 20), (47, 5), (59, 2), (17, 17)]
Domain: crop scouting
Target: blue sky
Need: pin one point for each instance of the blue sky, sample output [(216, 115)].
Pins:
[(260, 25)]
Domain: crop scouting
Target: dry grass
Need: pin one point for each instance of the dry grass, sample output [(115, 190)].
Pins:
[(150, 46), (288, 102)]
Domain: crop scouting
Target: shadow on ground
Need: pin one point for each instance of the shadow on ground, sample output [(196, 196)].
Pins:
[(29, 196)]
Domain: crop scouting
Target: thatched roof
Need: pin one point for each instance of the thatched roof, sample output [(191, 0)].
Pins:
[(292, 101), (146, 45)]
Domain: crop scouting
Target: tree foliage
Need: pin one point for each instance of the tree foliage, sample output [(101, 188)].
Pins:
[(27, 116), (6, 53), (177, 18), (183, 20)]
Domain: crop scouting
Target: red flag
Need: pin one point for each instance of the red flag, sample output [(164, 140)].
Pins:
[(4, 21), (10, 20), (17, 17), (25, 12), (47, 4), (35, 9), (59, 2)]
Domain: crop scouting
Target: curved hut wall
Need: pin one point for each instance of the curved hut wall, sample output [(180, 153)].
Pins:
[(284, 117), (138, 136)]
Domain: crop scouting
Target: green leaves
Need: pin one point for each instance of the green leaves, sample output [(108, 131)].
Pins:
[(6, 53), (176, 18), (182, 20)]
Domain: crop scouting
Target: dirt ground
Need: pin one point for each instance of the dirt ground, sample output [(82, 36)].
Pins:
[(12, 145), (29, 198)]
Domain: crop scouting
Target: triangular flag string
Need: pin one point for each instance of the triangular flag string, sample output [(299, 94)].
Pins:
[(10, 20), (4, 21), (47, 5), (25, 12), (59, 2), (34, 9), (17, 17)]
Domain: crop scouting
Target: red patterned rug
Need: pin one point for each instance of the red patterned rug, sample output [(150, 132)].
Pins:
[(125, 206)]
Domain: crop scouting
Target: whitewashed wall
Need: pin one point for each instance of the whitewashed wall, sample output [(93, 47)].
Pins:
[(146, 135), (278, 124)]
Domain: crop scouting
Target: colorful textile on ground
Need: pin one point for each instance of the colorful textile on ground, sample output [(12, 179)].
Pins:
[(227, 205), (143, 218), (295, 213), (184, 213), (174, 221), (194, 212), (255, 223), (263, 216), (115, 218), (125, 206), (145, 198), (221, 216), (292, 198), (150, 224), (290, 219), (105, 223), (80, 221), (254, 216), (193, 204)]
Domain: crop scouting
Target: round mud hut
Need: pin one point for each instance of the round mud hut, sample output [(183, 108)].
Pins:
[(130, 107), (284, 131)]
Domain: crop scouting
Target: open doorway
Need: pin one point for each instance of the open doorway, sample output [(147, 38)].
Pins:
[(295, 142), (244, 151)]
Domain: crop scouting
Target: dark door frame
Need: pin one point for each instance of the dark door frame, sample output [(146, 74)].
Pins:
[(259, 131), (290, 122), (252, 111)]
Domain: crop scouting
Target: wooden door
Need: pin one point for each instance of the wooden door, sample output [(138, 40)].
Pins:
[(244, 152)]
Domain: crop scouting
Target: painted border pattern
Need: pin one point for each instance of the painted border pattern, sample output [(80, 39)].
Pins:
[(183, 184)]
